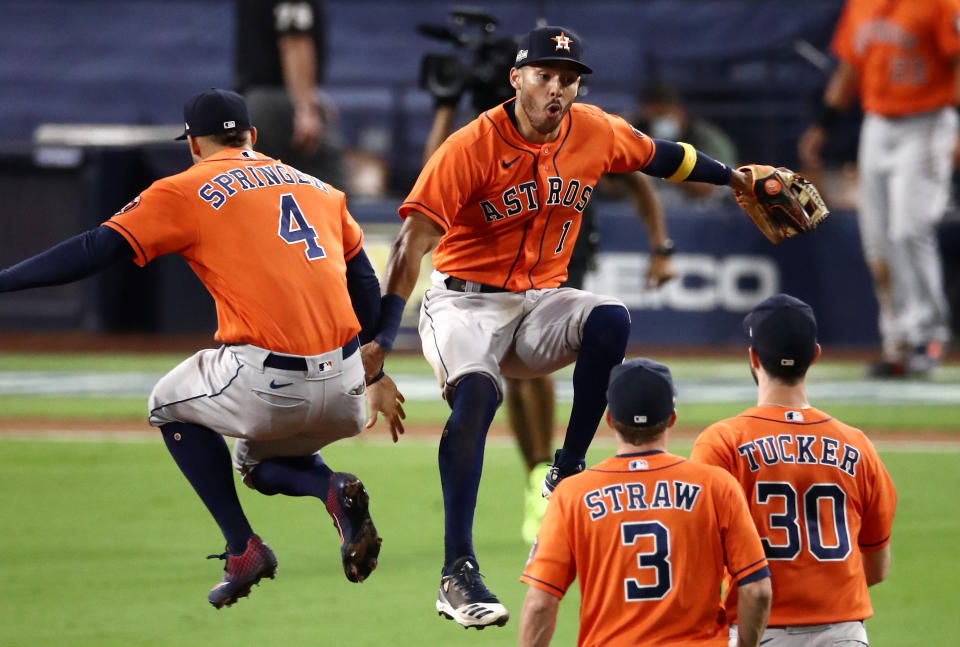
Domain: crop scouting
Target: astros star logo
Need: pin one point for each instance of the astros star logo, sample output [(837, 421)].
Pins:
[(563, 41)]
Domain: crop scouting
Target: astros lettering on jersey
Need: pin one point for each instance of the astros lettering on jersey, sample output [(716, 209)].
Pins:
[(296, 221), (648, 537), (903, 52), (818, 494), (525, 217)]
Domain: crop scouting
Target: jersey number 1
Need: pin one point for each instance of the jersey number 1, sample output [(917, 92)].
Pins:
[(290, 215)]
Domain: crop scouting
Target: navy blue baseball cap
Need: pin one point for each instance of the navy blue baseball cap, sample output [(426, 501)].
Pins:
[(641, 392), (214, 111), (783, 329), (551, 44)]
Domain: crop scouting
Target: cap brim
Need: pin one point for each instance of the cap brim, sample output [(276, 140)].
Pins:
[(180, 138), (580, 66)]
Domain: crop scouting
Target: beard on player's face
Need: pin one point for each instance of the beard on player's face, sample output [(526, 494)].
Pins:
[(545, 108)]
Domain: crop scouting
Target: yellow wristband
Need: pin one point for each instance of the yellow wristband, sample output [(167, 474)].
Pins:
[(686, 164)]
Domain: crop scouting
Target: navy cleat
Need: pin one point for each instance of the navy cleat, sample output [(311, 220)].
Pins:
[(241, 572), (466, 599), (349, 505), (555, 475)]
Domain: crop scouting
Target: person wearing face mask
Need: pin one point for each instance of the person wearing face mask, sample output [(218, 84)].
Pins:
[(663, 115)]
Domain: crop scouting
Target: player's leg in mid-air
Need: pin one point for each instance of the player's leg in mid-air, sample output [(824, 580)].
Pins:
[(234, 391), (567, 325)]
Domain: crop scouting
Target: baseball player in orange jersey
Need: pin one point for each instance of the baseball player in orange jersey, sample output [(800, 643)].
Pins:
[(903, 58), (819, 495), (648, 535), (283, 260), (500, 200)]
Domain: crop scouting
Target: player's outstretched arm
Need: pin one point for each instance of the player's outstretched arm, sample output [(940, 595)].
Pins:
[(418, 236), (69, 261), (753, 611), (538, 618)]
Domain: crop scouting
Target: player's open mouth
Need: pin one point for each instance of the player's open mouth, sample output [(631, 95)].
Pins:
[(553, 110)]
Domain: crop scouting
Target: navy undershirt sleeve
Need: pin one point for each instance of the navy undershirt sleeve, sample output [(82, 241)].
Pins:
[(69, 261), (668, 156), (364, 291)]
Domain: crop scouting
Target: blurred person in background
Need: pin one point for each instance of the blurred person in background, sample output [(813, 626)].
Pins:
[(663, 114), (903, 61), (280, 58)]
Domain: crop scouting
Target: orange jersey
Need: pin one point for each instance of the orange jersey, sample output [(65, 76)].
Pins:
[(648, 536), (904, 52), (819, 495), (269, 243), (510, 210)]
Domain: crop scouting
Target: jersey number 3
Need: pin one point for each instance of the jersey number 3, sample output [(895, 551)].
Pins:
[(294, 228), (657, 559)]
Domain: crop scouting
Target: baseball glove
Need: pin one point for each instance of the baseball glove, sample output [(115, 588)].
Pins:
[(782, 203)]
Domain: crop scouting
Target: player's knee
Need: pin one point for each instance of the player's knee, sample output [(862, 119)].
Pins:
[(607, 328)]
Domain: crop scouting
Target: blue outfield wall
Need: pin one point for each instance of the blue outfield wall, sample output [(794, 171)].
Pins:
[(726, 267)]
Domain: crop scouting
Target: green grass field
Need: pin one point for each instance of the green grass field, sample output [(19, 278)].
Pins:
[(104, 544), (103, 541)]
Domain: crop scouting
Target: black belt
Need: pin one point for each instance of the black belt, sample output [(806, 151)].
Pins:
[(295, 363), (459, 285)]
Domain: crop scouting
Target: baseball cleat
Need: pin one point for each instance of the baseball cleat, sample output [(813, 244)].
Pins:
[(349, 505), (241, 572), (535, 505), (554, 475), (466, 599)]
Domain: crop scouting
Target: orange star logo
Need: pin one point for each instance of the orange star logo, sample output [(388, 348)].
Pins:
[(563, 41)]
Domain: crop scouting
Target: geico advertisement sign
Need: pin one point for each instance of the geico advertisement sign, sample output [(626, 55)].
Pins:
[(736, 283)]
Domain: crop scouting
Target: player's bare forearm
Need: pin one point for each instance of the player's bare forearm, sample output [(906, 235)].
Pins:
[(876, 564), (648, 207), (538, 618), (298, 60), (418, 236), (753, 611), (842, 87)]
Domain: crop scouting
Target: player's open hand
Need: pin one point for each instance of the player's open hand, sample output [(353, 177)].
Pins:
[(372, 356), (384, 397), (659, 271), (307, 129)]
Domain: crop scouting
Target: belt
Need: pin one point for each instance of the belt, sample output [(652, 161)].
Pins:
[(295, 363), (459, 285)]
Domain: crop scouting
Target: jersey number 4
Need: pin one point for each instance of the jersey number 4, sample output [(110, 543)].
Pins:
[(657, 560), (294, 228), (788, 524)]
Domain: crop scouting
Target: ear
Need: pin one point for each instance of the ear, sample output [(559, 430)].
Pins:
[(673, 420), (515, 78), (816, 355), (609, 419), (194, 145), (253, 136), (754, 360)]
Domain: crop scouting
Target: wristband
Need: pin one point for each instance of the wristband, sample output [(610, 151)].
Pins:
[(376, 378), (666, 249), (391, 311)]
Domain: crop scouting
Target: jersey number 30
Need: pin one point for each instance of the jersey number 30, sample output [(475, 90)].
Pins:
[(657, 559), (788, 522), (290, 215)]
